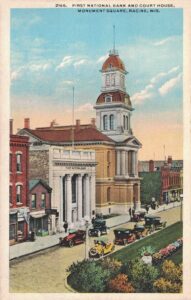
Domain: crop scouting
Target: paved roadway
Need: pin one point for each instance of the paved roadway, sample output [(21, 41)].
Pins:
[(46, 272)]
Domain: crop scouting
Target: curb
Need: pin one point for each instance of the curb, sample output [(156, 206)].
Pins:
[(68, 287)]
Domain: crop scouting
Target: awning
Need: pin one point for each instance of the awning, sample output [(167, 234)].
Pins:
[(37, 216), (12, 212)]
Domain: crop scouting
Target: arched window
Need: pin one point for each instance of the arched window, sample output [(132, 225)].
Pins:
[(105, 122), (124, 122), (127, 122), (111, 121), (108, 98)]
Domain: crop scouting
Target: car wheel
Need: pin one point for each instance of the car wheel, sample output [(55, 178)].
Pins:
[(71, 244), (89, 233), (99, 233)]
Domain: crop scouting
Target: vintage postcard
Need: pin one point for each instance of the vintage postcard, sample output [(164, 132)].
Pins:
[(95, 149)]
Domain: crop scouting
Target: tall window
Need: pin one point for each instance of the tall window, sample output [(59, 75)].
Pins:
[(124, 122), (10, 194), (10, 162), (108, 194), (127, 122), (111, 121), (18, 160), (19, 193), (43, 200), (105, 122), (33, 201), (113, 79), (107, 80)]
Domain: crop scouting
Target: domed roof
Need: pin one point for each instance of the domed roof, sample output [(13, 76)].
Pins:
[(117, 96), (113, 62)]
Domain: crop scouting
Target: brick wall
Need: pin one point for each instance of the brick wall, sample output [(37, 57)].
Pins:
[(38, 190), (39, 165)]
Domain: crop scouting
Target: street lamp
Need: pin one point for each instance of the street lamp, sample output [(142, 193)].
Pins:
[(181, 199), (86, 219)]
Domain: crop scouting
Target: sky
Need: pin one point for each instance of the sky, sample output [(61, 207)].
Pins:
[(53, 50)]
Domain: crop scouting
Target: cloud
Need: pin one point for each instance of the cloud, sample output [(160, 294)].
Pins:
[(102, 59), (169, 85), (143, 95), (80, 62), (164, 41), (66, 61), (17, 74), (39, 67), (84, 108)]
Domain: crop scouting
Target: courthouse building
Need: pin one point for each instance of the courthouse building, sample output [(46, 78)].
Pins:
[(106, 148)]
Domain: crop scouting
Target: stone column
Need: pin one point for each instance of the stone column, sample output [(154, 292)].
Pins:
[(126, 164), (123, 162), (118, 163), (69, 198), (79, 196), (87, 196), (133, 163), (136, 164), (93, 193)]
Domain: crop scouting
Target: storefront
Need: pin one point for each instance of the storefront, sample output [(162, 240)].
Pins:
[(13, 226), (39, 223)]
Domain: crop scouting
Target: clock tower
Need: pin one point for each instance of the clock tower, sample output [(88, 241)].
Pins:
[(113, 106)]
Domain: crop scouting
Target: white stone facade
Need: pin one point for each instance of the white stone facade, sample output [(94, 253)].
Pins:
[(72, 178)]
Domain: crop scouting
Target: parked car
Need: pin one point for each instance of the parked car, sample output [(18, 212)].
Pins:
[(140, 231), (138, 215), (99, 228), (101, 248), (73, 238), (154, 222), (124, 236)]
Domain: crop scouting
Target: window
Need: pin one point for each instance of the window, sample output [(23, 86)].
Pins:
[(19, 193), (111, 121), (10, 162), (107, 80), (18, 159), (113, 79), (124, 122), (10, 194), (33, 201), (108, 99), (122, 81), (127, 122), (105, 122), (43, 200)]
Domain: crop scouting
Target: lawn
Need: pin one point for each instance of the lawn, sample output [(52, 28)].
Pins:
[(158, 240)]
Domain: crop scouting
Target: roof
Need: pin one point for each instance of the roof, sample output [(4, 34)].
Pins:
[(34, 182), (117, 96), (63, 136), (113, 62)]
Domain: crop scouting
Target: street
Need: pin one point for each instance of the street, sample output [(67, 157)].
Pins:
[(46, 272)]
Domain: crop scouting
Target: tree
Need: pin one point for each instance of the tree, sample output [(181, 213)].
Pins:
[(143, 276), (112, 265), (88, 276), (120, 284)]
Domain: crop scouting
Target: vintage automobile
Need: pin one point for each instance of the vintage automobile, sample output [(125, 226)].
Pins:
[(101, 248), (140, 231), (74, 237), (99, 228), (154, 222), (138, 215), (124, 236)]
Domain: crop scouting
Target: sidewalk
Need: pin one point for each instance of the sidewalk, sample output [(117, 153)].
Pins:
[(42, 243)]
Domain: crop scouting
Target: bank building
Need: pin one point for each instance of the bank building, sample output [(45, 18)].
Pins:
[(100, 173)]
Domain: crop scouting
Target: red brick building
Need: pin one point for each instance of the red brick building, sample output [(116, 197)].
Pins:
[(40, 205), (18, 188)]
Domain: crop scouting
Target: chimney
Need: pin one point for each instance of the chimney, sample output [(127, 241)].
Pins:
[(27, 123), (151, 166), (77, 124), (11, 126), (169, 161), (93, 122)]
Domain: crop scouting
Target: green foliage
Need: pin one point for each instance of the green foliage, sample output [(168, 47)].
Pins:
[(146, 250), (143, 277), (88, 276), (150, 186), (112, 265)]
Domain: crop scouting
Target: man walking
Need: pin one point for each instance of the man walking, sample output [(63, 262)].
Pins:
[(65, 226)]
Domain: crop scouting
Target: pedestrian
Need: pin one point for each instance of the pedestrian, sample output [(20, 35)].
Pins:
[(93, 220), (65, 226), (130, 211), (147, 208), (133, 212)]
